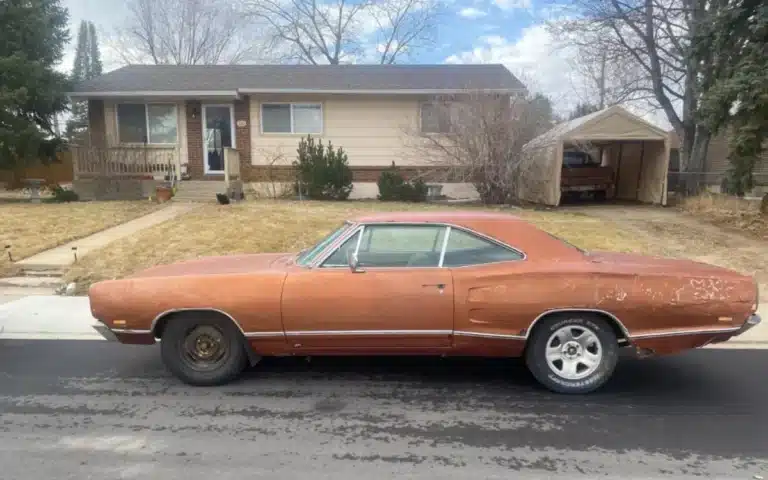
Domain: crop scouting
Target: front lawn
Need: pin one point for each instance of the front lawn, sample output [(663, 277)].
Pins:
[(32, 228), (283, 226)]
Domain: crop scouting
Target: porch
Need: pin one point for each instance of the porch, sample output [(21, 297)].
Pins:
[(135, 171)]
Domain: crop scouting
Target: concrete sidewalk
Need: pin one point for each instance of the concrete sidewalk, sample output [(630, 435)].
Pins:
[(63, 255)]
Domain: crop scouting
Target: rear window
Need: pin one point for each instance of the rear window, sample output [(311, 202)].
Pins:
[(579, 159)]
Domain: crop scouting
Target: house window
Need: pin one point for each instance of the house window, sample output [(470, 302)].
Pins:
[(291, 118), (147, 123), (435, 117)]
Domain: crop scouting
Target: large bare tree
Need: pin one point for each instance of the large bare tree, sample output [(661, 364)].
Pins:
[(653, 38), (183, 32), (343, 31), (479, 138)]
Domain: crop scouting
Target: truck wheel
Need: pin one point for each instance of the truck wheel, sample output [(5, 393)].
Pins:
[(572, 354), (203, 350)]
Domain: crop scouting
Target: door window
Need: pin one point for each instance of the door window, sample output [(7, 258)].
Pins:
[(393, 246), (464, 248)]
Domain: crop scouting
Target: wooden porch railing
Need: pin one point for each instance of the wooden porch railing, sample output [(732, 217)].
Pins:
[(89, 162)]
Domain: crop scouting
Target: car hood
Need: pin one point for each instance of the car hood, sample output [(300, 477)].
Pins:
[(667, 265), (228, 264)]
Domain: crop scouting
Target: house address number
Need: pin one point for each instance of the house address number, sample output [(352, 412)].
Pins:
[(240, 123)]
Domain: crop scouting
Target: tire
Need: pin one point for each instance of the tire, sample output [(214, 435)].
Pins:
[(594, 352), (223, 359)]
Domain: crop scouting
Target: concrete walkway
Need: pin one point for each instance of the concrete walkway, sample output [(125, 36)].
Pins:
[(62, 256)]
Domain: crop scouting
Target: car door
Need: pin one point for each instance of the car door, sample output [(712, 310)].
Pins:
[(399, 298)]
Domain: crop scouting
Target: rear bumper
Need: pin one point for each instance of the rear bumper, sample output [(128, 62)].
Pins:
[(753, 321)]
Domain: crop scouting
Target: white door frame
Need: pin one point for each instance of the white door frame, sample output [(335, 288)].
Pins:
[(231, 107)]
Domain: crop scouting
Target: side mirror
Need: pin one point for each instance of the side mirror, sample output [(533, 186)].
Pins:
[(353, 263)]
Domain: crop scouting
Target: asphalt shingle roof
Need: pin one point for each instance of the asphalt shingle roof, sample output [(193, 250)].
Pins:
[(151, 78)]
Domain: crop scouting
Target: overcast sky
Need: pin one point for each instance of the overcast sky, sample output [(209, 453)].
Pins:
[(510, 32)]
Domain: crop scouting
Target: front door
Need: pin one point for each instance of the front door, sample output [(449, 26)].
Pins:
[(217, 134), (400, 300)]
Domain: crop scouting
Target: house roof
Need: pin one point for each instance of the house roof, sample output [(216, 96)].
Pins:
[(612, 123), (218, 80)]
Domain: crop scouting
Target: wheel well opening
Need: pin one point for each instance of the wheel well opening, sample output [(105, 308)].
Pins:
[(618, 330), (162, 322)]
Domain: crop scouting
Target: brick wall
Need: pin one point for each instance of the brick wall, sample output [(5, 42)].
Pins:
[(194, 139), (96, 123), (243, 135)]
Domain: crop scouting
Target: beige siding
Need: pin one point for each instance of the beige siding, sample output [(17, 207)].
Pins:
[(373, 131), (110, 119)]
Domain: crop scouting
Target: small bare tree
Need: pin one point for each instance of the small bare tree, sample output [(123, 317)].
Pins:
[(479, 139), (341, 31), (183, 32)]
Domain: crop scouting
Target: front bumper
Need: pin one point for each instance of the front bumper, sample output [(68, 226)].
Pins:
[(105, 332)]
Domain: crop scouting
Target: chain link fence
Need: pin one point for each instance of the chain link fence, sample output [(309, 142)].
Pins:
[(692, 183)]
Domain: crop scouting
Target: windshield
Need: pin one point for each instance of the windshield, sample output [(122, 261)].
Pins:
[(309, 255)]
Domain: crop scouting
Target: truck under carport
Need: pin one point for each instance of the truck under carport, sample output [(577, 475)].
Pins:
[(636, 151)]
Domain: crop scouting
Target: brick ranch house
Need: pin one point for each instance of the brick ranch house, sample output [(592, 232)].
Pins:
[(242, 123)]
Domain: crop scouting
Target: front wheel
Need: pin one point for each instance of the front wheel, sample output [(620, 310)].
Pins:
[(572, 354), (203, 350)]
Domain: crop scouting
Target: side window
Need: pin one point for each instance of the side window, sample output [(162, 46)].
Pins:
[(393, 246), (464, 248), (339, 257), (401, 246)]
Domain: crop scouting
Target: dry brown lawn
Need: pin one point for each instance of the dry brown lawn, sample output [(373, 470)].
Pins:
[(281, 226), (32, 228), (730, 212)]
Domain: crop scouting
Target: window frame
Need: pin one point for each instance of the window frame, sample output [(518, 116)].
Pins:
[(360, 227), (291, 106), (449, 104), (146, 122)]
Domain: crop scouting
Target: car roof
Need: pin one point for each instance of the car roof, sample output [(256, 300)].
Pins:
[(456, 217)]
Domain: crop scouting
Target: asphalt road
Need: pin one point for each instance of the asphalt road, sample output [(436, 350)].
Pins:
[(94, 410)]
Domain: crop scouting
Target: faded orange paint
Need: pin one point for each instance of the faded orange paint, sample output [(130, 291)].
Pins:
[(663, 305)]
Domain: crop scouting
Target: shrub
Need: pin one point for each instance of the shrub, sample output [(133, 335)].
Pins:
[(62, 195), (394, 188), (322, 173)]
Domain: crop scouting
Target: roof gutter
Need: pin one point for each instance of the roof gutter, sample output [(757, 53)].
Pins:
[(157, 93), (236, 93)]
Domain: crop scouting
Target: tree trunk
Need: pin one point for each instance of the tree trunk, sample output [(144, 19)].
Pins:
[(694, 144)]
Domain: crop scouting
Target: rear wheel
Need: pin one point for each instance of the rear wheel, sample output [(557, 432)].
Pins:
[(600, 195), (203, 350), (572, 354)]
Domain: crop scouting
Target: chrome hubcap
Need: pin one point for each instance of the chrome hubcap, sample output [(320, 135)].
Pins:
[(574, 352)]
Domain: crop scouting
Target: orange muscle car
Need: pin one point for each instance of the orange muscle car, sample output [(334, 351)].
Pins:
[(482, 284)]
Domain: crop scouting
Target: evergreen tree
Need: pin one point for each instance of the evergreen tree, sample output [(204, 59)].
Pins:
[(582, 109), (33, 34), (87, 65)]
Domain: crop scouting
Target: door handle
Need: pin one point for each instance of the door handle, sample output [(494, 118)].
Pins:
[(438, 285)]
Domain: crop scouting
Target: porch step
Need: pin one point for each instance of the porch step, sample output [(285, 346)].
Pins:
[(199, 191)]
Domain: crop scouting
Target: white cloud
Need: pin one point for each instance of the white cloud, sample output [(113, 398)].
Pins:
[(472, 12), (543, 66), (512, 4)]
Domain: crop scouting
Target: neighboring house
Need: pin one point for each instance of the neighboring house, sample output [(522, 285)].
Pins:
[(169, 119), (716, 165)]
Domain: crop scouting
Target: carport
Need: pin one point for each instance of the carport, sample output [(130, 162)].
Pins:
[(635, 150)]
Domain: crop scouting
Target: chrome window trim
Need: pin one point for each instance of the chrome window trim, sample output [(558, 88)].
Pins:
[(444, 246), (361, 226)]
